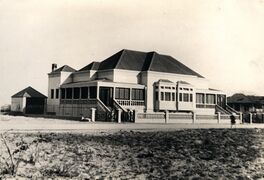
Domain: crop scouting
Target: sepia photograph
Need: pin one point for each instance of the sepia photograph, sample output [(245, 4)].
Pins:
[(131, 89)]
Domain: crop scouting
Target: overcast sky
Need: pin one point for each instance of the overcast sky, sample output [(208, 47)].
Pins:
[(220, 39)]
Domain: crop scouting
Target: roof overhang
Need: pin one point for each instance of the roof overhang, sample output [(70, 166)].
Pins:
[(102, 83)]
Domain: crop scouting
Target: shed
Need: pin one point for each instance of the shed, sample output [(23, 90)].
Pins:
[(28, 101)]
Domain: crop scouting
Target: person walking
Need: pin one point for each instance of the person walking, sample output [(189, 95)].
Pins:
[(233, 119)]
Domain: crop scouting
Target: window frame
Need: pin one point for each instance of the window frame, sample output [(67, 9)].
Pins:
[(92, 92), (138, 94), (52, 94), (83, 92)]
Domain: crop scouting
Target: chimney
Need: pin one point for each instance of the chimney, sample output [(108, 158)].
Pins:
[(54, 67)]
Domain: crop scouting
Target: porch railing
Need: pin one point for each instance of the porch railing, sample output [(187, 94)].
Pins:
[(231, 110), (78, 101), (103, 106), (221, 110), (130, 102), (118, 106)]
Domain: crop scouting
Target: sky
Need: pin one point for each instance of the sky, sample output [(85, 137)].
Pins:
[(222, 40)]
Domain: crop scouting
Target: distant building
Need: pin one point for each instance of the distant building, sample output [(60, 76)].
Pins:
[(246, 103), (131, 80), (28, 101)]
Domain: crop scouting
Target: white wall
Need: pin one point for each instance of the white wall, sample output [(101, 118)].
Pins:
[(18, 104), (66, 77), (81, 76), (149, 78), (126, 76), (54, 83), (109, 74)]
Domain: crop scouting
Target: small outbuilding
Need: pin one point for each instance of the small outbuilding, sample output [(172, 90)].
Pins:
[(28, 101)]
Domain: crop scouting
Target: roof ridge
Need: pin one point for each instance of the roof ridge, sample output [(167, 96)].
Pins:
[(151, 60), (122, 54), (93, 63)]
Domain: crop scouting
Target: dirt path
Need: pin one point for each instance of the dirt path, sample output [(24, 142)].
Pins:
[(24, 124)]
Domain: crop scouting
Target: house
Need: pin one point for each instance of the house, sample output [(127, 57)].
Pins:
[(28, 101), (131, 80), (246, 103)]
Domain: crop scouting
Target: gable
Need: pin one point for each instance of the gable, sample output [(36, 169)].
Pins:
[(29, 92)]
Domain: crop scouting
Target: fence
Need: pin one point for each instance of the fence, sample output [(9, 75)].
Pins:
[(253, 118), (97, 113), (182, 118)]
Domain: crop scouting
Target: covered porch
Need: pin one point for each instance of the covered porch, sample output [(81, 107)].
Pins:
[(103, 95)]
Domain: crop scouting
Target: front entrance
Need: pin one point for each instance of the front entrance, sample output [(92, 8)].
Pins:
[(221, 100), (106, 95)]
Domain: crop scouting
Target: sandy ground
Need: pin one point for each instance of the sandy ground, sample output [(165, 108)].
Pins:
[(63, 149), (19, 123), (181, 154)]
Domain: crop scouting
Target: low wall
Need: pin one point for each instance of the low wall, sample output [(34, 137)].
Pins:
[(150, 118), (179, 118), (183, 118)]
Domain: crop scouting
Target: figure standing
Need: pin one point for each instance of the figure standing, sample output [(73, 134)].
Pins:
[(233, 119)]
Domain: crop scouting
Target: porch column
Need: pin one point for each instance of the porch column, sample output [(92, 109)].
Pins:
[(80, 97), (97, 91), (204, 100), (130, 96), (216, 99)]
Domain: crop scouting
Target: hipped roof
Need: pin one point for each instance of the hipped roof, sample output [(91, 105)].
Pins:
[(240, 98), (142, 61)]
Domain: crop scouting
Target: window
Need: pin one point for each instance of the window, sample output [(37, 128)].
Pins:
[(68, 93), (162, 87), (84, 92), (138, 94), (185, 97), (156, 96), (52, 93), (76, 93), (93, 92), (167, 96), (173, 87), (173, 96), (57, 93), (180, 97), (210, 99), (122, 93), (166, 87), (199, 98), (162, 96), (191, 98), (180, 88), (62, 93)]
